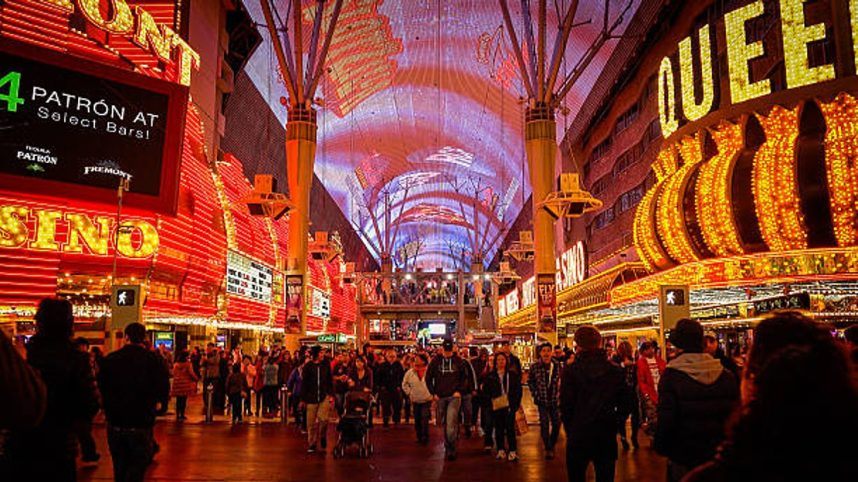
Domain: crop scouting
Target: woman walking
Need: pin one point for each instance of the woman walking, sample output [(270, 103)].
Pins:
[(629, 405), (416, 391), (184, 383), (503, 386)]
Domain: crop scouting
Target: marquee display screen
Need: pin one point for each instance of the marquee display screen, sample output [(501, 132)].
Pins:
[(65, 125), (248, 278)]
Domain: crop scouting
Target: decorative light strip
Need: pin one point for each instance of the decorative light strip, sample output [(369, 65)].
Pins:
[(648, 247), (841, 155), (212, 322), (775, 182), (670, 219), (713, 198), (762, 268)]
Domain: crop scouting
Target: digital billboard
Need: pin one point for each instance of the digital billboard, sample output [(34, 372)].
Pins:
[(75, 129)]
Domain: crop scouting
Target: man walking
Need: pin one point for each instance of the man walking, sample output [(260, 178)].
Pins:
[(133, 381), (696, 395), (544, 383), (589, 397), (447, 380), (317, 395), (389, 383)]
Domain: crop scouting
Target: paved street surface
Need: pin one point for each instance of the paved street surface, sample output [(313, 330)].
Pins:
[(194, 451)]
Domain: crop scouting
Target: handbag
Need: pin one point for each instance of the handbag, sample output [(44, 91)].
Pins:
[(521, 427), (501, 402)]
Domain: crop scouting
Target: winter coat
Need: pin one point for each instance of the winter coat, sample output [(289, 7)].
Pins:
[(24, 395), (544, 383), (236, 384), (132, 380), (71, 396), (590, 392), (210, 366), (389, 376), (445, 376), (184, 380), (317, 383), (259, 381), (509, 385), (293, 385), (415, 387), (646, 383), (696, 396), (270, 375), (367, 382)]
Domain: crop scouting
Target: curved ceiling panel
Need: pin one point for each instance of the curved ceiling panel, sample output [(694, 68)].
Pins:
[(422, 97)]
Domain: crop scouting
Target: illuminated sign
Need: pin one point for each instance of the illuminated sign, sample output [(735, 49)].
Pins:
[(796, 38), (248, 278), (512, 302), (64, 122), (318, 303), (571, 266), (69, 232), (139, 27), (528, 292)]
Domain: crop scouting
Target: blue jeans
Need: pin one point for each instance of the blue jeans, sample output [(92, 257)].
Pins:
[(448, 417), (549, 425)]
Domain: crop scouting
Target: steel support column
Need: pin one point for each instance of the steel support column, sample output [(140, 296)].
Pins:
[(541, 147), (300, 156)]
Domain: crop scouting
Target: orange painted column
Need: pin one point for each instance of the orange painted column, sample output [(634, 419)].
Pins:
[(300, 159), (540, 131)]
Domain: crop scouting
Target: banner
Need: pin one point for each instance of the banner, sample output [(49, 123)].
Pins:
[(546, 304)]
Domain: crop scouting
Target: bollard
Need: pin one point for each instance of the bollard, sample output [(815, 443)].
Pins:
[(284, 405), (209, 402)]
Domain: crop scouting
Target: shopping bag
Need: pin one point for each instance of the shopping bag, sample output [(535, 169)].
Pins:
[(521, 427)]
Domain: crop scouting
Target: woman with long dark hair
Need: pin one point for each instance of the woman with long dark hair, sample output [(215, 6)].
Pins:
[(799, 412), (629, 405), (503, 387)]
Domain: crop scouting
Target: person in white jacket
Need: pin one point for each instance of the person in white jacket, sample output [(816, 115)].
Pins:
[(414, 387)]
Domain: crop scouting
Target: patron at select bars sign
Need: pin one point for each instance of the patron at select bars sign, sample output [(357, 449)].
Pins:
[(694, 89), (74, 125)]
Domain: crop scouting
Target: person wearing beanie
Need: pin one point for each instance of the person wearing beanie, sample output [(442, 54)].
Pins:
[(696, 396)]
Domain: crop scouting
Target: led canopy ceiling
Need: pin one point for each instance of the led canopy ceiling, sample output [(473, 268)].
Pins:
[(420, 119)]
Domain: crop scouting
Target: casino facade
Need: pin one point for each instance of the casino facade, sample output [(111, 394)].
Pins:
[(724, 152), (206, 269)]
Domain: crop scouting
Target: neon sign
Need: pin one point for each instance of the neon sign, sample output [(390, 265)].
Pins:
[(140, 27), (68, 232), (796, 38)]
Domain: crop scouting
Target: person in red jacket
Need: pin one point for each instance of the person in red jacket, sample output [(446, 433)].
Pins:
[(650, 368)]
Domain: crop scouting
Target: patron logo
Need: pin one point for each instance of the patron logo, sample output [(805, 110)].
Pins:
[(38, 155), (110, 168)]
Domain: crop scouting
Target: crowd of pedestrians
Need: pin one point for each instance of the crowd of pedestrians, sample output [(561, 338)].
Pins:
[(787, 412)]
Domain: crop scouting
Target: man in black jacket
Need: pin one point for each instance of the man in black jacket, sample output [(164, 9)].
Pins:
[(389, 385), (695, 397), (47, 451), (589, 395), (133, 381), (447, 379), (317, 394)]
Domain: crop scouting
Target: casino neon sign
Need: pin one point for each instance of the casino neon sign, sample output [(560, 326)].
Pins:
[(140, 27), (796, 38), (42, 229)]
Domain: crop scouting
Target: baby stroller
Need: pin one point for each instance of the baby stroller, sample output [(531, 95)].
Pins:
[(354, 425)]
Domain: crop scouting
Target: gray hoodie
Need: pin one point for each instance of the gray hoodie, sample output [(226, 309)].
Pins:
[(699, 366)]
